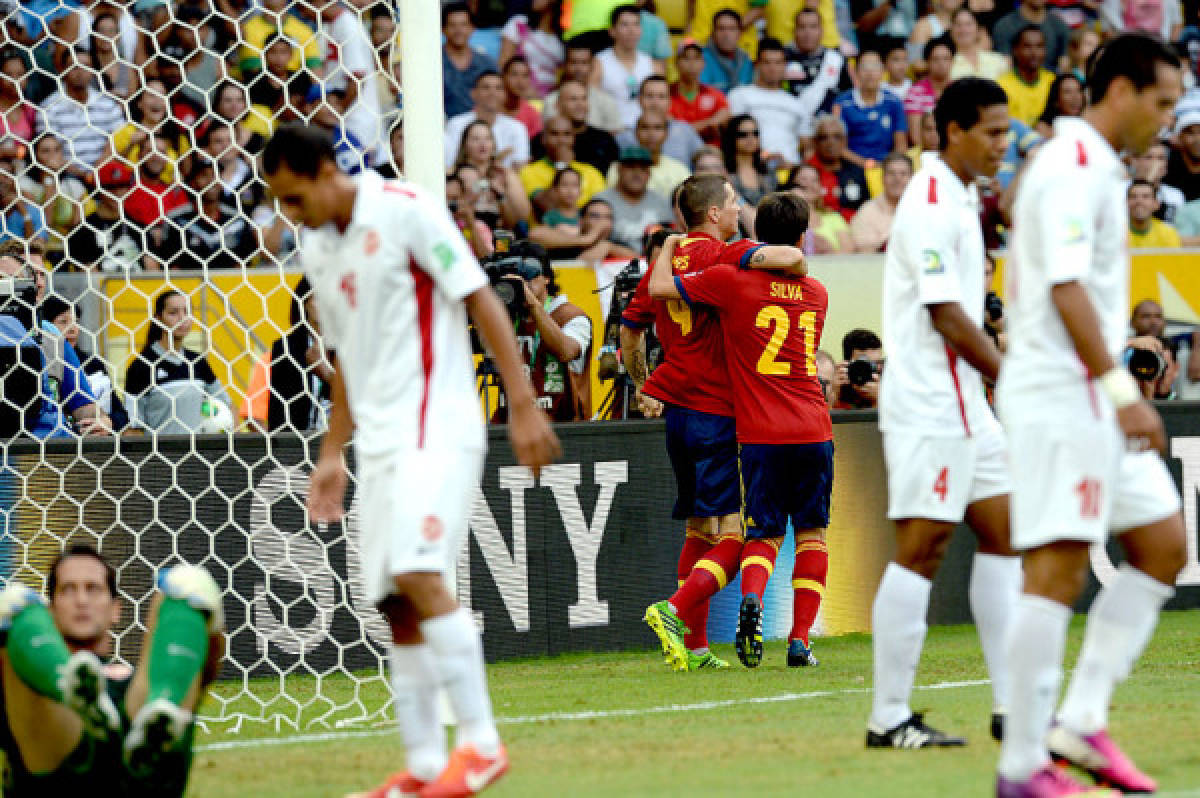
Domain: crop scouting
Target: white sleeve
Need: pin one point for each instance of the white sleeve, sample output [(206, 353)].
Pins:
[(736, 104), (438, 247), (933, 254), (579, 329), (1065, 225)]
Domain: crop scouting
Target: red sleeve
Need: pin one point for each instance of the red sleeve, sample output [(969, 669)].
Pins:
[(719, 96), (639, 313), (736, 253), (713, 286)]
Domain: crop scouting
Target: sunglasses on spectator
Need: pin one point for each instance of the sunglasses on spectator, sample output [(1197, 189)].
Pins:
[(820, 136), (747, 134)]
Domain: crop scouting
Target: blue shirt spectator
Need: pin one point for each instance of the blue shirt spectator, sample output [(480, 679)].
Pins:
[(1021, 141), (726, 66), (871, 128), (461, 64), (15, 218), (70, 394)]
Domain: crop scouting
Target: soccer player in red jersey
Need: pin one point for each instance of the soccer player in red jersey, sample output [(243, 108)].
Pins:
[(690, 389), (771, 324)]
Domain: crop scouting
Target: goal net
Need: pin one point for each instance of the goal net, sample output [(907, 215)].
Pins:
[(148, 285)]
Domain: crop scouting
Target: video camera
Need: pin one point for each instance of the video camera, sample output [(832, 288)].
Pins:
[(511, 263)]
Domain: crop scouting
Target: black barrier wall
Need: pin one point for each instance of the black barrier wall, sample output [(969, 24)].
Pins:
[(567, 562)]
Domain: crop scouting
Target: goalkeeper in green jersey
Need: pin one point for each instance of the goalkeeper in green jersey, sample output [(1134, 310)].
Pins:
[(70, 724)]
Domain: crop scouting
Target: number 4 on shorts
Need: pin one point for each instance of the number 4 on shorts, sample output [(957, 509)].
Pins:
[(939, 484), (1089, 491)]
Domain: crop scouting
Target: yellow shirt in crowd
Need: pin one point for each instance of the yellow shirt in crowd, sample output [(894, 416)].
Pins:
[(539, 175), (1026, 101), (1158, 234), (305, 43)]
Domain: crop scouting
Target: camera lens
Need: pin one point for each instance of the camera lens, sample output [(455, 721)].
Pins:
[(1146, 365), (859, 372)]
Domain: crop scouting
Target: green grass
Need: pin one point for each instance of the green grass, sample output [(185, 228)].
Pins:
[(792, 746)]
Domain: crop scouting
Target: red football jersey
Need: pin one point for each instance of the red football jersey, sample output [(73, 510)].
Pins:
[(772, 329), (692, 373)]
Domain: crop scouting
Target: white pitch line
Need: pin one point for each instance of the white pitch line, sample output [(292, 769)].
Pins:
[(700, 706)]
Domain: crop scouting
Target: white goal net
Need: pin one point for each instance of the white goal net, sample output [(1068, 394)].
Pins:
[(149, 298)]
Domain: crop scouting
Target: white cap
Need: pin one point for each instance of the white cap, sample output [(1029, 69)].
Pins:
[(1186, 120)]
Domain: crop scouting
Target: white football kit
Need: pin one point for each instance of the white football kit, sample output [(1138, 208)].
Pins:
[(1073, 478), (389, 293), (943, 446)]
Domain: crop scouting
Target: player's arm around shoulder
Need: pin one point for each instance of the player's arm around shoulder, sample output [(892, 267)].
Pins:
[(662, 277)]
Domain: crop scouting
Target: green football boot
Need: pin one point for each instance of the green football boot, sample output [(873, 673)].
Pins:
[(670, 631)]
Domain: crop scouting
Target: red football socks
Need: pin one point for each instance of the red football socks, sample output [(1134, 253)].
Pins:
[(695, 617), (808, 584), (758, 561)]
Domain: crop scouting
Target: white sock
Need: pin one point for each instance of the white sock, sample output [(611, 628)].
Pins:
[(897, 634), (995, 585), (1036, 642), (1120, 624), (455, 644), (414, 692)]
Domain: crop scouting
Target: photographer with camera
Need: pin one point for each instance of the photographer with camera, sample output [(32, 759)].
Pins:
[(1149, 355), (856, 382), (554, 336), (43, 380)]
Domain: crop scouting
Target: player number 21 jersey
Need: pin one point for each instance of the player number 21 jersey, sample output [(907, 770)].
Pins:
[(390, 292)]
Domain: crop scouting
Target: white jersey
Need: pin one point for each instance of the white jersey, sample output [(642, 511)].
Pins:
[(1069, 223), (389, 295), (935, 255)]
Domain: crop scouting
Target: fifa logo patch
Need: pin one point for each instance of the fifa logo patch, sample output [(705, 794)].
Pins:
[(931, 262), (432, 528)]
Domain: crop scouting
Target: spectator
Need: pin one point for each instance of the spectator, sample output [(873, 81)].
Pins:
[(515, 78), (1066, 99), (17, 116), (1148, 326), (1055, 33), (326, 109), (726, 65), (478, 149), (895, 73), (703, 107), (107, 240), (555, 337), (60, 195), (385, 37), (1151, 165), (830, 233), (924, 94), (843, 182), (603, 113), (882, 24), (22, 217), (61, 389), (666, 172), (81, 117), (859, 345), (568, 233), (874, 118), (634, 206), (656, 39), (560, 151), (655, 97), (229, 105), (784, 120), (749, 174), (289, 387), (814, 73), (1080, 46), (593, 145), (117, 74), (620, 69), (1187, 223), (1028, 83), (392, 167), (462, 200), (971, 58), (1183, 167), (512, 140), (150, 116), (65, 319), (461, 65), (1146, 232), (168, 68), (167, 385), (273, 17), (239, 188), (931, 27), (202, 69), (349, 47), (205, 233), (1022, 141), (927, 140), (537, 37), (153, 198), (826, 374), (872, 225), (268, 87)]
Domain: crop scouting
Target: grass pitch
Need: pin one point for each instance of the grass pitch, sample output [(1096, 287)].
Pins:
[(621, 724)]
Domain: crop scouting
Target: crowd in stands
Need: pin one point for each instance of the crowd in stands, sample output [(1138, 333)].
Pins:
[(129, 130)]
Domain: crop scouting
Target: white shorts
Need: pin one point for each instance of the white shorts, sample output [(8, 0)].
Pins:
[(939, 477), (1078, 482), (415, 506)]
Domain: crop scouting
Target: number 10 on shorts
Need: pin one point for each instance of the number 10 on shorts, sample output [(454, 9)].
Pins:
[(1089, 491)]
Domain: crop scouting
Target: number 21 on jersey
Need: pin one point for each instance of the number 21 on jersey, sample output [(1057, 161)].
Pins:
[(776, 319)]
